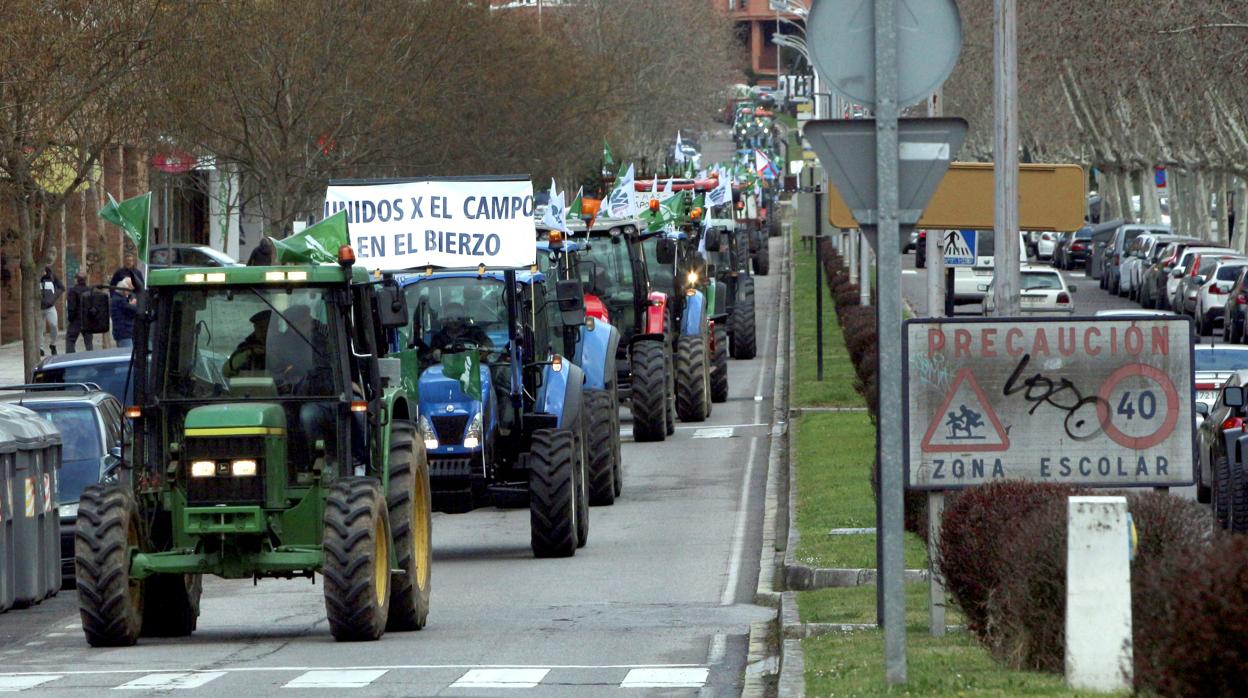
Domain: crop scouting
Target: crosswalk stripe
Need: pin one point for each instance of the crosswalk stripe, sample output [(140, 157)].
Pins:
[(713, 433), (665, 678), (21, 683), (170, 681), (349, 678), (501, 678)]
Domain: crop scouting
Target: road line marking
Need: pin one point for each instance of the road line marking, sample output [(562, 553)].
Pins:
[(665, 678), (170, 681), (10, 684), (36, 643), (909, 271), (738, 535), (501, 678), (381, 667), (56, 635), (734, 426), (713, 433), (336, 678), (74, 626), (719, 647)]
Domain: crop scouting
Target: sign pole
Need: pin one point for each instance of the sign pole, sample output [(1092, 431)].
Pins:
[(818, 282), (1006, 279), (888, 306)]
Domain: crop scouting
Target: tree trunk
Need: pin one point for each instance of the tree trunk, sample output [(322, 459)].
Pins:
[(1123, 180), (1239, 236), (30, 294), (1178, 212), (1150, 208), (1200, 206)]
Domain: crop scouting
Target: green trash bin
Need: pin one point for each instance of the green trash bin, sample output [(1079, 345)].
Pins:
[(8, 467), (37, 544)]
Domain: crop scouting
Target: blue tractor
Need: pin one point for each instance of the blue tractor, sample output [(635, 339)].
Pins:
[(502, 410), (593, 347)]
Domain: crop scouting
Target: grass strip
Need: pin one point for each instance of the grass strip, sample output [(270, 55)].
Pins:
[(837, 387)]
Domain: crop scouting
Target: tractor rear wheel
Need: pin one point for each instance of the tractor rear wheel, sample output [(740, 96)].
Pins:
[(649, 395), (693, 399), (599, 449), (582, 479), (744, 338), (618, 458), (773, 226), (356, 544), (719, 366), (552, 493), (762, 260), (411, 524), (171, 607), (669, 367), (109, 601)]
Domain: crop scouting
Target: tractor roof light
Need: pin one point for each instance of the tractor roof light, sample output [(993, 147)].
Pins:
[(555, 239), (654, 204), (696, 213), (480, 270), (346, 257)]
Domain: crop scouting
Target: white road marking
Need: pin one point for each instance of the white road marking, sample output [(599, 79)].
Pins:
[(11, 684), (377, 667), (501, 678), (36, 643), (74, 626), (738, 535), (170, 681), (55, 635), (734, 426), (719, 646), (336, 678), (665, 678), (713, 433), (909, 271)]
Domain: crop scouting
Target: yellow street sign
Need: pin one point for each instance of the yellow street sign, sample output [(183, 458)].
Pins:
[(1050, 197)]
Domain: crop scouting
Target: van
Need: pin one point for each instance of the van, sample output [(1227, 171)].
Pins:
[(967, 280)]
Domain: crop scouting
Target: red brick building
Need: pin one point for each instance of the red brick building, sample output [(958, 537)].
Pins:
[(756, 25)]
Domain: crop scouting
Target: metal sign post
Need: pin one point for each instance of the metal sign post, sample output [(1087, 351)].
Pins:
[(1007, 281)]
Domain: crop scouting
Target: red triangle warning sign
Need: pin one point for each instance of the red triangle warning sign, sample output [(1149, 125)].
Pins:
[(965, 421)]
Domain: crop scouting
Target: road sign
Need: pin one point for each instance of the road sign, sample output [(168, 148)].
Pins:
[(960, 247), (846, 148), (1050, 197), (841, 41), (1095, 402)]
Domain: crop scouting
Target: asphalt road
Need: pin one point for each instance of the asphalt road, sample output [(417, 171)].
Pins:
[(658, 603)]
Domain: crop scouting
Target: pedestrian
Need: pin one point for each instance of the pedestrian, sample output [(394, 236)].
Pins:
[(51, 291), (122, 309), (128, 270), (75, 307)]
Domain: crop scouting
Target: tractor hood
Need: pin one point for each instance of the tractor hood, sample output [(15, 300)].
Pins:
[(236, 419), (438, 391)]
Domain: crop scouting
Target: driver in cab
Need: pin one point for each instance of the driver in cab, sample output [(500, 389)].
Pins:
[(249, 355), (456, 331)]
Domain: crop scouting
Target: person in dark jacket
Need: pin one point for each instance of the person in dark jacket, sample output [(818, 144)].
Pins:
[(75, 306), (123, 309), (128, 270), (52, 289)]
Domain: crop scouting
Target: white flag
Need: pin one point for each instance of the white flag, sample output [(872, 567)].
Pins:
[(667, 188), (620, 202), (679, 155), (722, 193), (556, 211)]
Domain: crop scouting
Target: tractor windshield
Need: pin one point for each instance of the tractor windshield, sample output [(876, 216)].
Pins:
[(607, 272), (454, 311), (229, 341)]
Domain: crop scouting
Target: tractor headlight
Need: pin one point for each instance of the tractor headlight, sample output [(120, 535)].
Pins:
[(692, 278), (243, 468), (427, 433), (472, 435), (203, 468)]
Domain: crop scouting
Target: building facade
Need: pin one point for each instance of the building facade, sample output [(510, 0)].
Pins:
[(756, 24)]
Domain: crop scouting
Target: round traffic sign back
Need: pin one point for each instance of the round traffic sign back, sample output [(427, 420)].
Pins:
[(841, 40)]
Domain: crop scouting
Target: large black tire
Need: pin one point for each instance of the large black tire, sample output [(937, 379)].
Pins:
[(1222, 492), (615, 441), (356, 544), (600, 450), (762, 260), (744, 334), (1204, 326), (171, 604), (1239, 499), (110, 603), (411, 524), (774, 229), (552, 493), (649, 395), (693, 380), (582, 481), (669, 365), (740, 256), (719, 366)]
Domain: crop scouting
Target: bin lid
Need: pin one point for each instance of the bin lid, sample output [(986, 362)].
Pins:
[(8, 440), (28, 428)]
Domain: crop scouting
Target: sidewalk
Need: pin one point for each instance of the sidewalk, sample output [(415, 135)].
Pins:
[(11, 363)]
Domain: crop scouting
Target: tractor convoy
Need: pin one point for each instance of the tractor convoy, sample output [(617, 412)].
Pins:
[(306, 414)]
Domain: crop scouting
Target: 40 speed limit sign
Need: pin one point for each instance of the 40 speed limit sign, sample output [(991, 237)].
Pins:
[(1102, 402)]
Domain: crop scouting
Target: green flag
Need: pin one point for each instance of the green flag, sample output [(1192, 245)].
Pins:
[(317, 244), (578, 204), (465, 368), (608, 161), (132, 216)]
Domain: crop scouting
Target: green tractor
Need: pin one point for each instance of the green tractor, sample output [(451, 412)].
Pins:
[(272, 437)]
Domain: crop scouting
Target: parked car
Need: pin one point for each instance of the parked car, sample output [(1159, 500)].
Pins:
[(1153, 284), (1102, 236), (1123, 237), (1220, 449), (1236, 312), (1046, 245), (967, 281), (1042, 289), (1213, 367), (1134, 312), (1131, 258), (107, 368), (184, 255), (1182, 269), (912, 243), (1211, 296), (1074, 248), (1201, 272), (92, 432)]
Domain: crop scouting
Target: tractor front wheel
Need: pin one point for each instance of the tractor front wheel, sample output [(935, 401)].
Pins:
[(172, 604), (649, 394), (719, 366), (762, 260), (411, 522), (669, 367), (356, 544), (553, 493), (110, 602), (693, 400), (600, 451)]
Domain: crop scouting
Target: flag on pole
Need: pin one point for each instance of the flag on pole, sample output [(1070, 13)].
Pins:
[(679, 155), (556, 210), (764, 166), (722, 193), (574, 211), (317, 244), (620, 203), (465, 368), (608, 161), (667, 188), (132, 215)]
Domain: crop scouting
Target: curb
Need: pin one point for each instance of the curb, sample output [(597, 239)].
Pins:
[(798, 577)]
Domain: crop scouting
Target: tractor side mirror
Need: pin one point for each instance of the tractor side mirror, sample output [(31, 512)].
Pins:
[(392, 306), (568, 294), (712, 239), (665, 253), (1233, 395)]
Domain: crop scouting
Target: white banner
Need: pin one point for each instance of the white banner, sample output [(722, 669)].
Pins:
[(441, 223)]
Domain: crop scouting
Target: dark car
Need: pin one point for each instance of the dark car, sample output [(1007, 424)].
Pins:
[(1153, 282), (1236, 310), (91, 426), (1074, 248), (1102, 237), (107, 368), (185, 255)]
